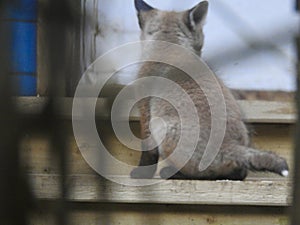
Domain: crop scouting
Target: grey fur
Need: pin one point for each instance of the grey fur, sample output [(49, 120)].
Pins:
[(236, 156)]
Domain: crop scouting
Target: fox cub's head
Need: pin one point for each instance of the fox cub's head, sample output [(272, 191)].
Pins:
[(183, 28)]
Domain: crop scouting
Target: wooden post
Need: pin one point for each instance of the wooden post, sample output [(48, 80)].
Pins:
[(14, 192), (70, 54), (60, 18)]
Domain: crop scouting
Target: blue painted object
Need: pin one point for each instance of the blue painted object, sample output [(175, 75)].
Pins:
[(24, 47), (20, 18), (21, 10), (25, 85)]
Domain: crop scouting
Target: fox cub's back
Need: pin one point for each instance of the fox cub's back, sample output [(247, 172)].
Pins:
[(235, 156)]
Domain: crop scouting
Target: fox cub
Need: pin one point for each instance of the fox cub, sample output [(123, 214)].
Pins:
[(235, 156)]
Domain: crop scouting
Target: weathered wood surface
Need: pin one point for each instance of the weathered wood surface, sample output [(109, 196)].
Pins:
[(275, 96), (261, 189), (86, 185), (268, 112), (84, 188), (254, 111), (152, 214), (37, 150)]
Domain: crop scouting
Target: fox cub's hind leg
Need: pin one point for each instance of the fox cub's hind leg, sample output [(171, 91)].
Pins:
[(170, 172), (149, 158), (237, 173), (225, 171), (147, 165)]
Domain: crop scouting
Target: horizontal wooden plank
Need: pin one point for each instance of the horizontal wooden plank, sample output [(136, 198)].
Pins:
[(280, 96), (33, 106), (254, 111), (152, 214), (86, 186), (268, 112), (83, 188), (37, 158)]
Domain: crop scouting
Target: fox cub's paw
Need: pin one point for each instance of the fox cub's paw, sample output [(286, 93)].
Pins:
[(143, 172)]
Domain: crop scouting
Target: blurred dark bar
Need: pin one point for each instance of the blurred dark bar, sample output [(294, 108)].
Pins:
[(14, 193), (296, 189), (62, 22), (61, 18), (56, 23), (296, 192)]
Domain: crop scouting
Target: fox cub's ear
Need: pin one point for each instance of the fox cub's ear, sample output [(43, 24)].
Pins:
[(195, 17), (142, 11), (140, 5)]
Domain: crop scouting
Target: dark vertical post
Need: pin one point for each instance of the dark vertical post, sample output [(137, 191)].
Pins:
[(75, 69), (296, 191), (13, 189), (61, 18), (57, 16), (71, 47)]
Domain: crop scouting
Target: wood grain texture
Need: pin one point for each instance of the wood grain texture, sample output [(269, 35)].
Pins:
[(95, 189), (253, 111), (36, 150), (151, 214), (85, 185), (268, 112)]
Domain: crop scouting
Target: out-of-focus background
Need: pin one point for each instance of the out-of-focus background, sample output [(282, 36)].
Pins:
[(249, 44)]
